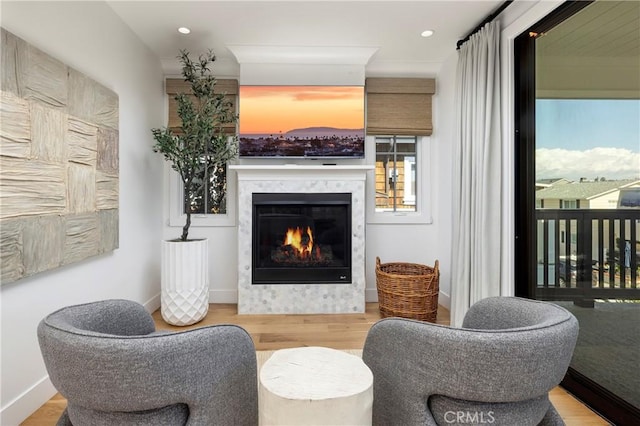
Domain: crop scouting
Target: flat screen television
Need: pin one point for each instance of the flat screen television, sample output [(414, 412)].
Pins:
[(301, 121)]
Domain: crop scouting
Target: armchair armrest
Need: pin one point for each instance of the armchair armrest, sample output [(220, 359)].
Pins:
[(116, 317)]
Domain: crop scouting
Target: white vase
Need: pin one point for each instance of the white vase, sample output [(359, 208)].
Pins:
[(185, 281)]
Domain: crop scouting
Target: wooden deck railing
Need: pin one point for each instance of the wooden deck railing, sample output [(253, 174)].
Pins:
[(586, 254)]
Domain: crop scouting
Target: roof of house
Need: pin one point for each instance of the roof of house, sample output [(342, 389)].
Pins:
[(552, 181), (582, 190)]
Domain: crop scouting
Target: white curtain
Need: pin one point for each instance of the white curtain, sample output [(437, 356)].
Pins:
[(477, 173)]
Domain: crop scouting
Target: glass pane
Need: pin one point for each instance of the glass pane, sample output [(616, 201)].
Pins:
[(193, 199), (212, 182), (395, 173), (217, 202), (383, 172), (587, 154)]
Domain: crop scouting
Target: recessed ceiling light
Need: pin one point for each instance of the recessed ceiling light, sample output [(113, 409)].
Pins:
[(427, 33), (184, 30)]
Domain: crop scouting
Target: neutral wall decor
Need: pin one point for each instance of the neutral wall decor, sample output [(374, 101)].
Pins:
[(58, 163)]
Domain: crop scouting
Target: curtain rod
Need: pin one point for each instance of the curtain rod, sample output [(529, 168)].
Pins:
[(486, 20)]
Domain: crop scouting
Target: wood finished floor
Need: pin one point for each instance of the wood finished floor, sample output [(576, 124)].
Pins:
[(338, 331)]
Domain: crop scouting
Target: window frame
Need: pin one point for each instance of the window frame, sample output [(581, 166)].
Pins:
[(422, 199), (409, 197)]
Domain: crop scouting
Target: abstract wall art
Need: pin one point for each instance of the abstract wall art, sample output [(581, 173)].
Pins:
[(58, 163)]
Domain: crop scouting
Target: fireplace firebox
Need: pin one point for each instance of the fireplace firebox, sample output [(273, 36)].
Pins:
[(301, 238)]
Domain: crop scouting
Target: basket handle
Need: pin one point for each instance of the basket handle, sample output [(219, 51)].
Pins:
[(377, 262), (436, 266)]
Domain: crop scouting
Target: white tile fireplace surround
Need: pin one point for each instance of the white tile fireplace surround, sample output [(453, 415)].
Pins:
[(301, 298)]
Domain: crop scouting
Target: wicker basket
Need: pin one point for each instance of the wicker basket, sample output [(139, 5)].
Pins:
[(408, 290)]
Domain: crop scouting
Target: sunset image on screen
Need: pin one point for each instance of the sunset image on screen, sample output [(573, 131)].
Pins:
[(275, 109), (301, 121)]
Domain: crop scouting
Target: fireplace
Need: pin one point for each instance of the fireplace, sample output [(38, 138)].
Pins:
[(308, 186), (301, 238)]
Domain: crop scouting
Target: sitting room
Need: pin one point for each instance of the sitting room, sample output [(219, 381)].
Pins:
[(340, 138)]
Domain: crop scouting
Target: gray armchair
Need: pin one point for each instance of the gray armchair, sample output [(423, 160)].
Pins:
[(497, 369), (113, 367)]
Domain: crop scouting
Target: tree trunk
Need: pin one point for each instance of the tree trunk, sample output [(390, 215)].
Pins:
[(185, 228)]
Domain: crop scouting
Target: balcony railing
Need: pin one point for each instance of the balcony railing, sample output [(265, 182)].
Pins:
[(586, 254)]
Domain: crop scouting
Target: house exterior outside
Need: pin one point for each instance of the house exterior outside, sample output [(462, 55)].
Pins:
[(562, 194), (395, 180), (548, 183)]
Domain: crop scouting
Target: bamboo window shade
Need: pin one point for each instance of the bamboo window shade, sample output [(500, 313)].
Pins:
[(399, 106), (175, 85)]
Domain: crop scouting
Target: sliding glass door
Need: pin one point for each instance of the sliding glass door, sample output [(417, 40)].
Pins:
[(578, 189)]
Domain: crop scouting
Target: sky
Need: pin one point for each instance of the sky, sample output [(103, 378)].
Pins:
[(275, 109), (587, 138)]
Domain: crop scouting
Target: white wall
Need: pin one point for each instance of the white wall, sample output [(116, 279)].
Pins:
[(89, 37), (421, 243), (418, 243), (424, 243)]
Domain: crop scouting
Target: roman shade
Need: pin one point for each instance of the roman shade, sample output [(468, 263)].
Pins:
[(176, 85), (399, 106)]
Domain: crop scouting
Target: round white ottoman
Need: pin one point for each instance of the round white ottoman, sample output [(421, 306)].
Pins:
[(315, 386)]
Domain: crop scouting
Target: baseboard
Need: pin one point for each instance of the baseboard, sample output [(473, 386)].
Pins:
[(231, 296), (444, 300), (16, 411), (215, 296), (152, 304), (370, 295), (223, 296)]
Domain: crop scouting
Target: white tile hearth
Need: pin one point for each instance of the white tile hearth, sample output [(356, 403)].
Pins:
[(301, 298)]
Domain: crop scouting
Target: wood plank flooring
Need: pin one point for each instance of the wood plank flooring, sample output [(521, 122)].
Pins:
[(338, 331)]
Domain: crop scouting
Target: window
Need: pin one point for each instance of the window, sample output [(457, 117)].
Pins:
[(399, 173), (569, 204), (212, 203), (209, 194)]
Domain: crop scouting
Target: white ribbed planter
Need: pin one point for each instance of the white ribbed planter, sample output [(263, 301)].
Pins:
[(185, 281)]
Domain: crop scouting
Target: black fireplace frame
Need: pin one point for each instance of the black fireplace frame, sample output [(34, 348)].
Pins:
[(309, 275)]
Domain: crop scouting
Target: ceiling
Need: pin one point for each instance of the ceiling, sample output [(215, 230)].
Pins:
[(603, 29), (393, 28), (594, 54)]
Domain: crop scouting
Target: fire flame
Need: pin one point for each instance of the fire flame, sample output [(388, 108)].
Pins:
[(296, 239)]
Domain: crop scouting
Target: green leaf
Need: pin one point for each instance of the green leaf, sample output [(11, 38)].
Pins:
[(201, 142)]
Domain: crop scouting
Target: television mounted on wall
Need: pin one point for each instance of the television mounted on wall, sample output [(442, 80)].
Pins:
[(301, 122)]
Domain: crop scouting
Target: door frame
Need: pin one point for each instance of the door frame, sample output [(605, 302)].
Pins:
[(598, 398)]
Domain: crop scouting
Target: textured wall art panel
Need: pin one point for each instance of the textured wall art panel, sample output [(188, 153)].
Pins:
[(58, 163), (15, 128)]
